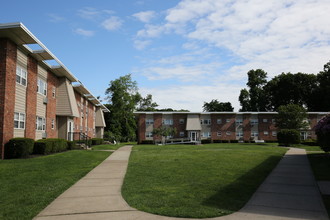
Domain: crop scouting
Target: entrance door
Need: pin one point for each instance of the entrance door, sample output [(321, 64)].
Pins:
[(193, 136), (70, 130)]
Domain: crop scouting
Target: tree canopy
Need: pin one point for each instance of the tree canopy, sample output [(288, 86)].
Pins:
[(291, 116), (216, 106), (146, 104)]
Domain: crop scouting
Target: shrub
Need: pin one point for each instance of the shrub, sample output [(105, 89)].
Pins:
[(287, 137), (97, 141), (217, 141), (206, 141), (225, 141), (322, 130), (51, 145), (233, 141), (72, 145), (147, 142), (310, 142), (18, 148)]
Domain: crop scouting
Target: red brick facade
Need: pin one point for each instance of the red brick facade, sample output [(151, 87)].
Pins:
[(8, 58), (180, 126), (31, 97), (52, 84)]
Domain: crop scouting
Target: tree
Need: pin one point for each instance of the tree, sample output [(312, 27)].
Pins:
[(254, 99), (291, 116), (164, 132), (290, 120), (216, 106), (322, 131), (288, 88), (123, 97), (146, 104)]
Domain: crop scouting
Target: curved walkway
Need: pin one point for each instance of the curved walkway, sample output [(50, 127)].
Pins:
[(289, 192)]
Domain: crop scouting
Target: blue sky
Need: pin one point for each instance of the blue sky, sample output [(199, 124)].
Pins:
[(182, 52)]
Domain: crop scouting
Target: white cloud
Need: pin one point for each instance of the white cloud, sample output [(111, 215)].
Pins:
[(192, 97), (145, 16), (91, 13), (56, 18), (112, 23), (141, 44), (83, 32)]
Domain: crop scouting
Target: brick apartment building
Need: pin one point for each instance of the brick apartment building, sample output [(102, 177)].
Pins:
[(40, 100), (217, 126)]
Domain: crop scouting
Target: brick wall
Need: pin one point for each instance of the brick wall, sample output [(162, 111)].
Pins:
[(77, 120), (180, 127), (8, 59), (268, 126), (52, 82), (141, 127), (31, 98), (246, 127), (90, 119), (158, 120)]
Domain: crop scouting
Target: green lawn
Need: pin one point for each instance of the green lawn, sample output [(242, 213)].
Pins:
[(28, 185), (320, 163), (111, 146), (309, 148), (197, 181)]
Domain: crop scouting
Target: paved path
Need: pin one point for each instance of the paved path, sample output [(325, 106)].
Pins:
[(289, 192)]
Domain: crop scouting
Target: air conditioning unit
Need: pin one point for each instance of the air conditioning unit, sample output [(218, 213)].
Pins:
[(45, 100), (44, 135)]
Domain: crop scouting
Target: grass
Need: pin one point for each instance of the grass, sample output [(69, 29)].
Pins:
[(308, 148), (197, 181), (111, 146), (29, 185), (320, 163)]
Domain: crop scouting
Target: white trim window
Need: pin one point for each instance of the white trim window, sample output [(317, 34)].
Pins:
[(274, 133), (21, 75), (254, 121), (228, 133), (40, 123), (205, 121), (265, 120), (181, 121), (219, 121), (149, 121), (228, 120), (149, 134), (266, 132), (206, 134), (219, 133), (239, 121), (53, 123), (19, 120), (254, 134), (181, 133), (239, 134), (167, 122), (42, 87)]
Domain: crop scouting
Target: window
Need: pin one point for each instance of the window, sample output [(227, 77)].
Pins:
[(181, 121), (21, 75), (254, 134), (181, 133), (150, 121), (167, 121), (206, 134), (42, 87), (254, 121), (227, 120), (239, 134), (219, 133), (40, 123), (274, 133), (206, 121), (265, 132), (265, 120), (219, 121), (53, 123), (239, 121), (149, 134), (228, 133), (273, 121), (54, 92), (19, 120)]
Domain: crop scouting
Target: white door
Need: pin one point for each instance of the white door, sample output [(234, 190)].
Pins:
[(193, 136), (70, 130)]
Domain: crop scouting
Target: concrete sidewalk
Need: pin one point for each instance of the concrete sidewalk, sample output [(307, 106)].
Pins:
[(289, 192)]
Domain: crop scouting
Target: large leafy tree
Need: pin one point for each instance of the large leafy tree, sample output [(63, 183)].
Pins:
[(216, 106), (288, 88), (291, 116), (123, 97), (254, 99), (146, 104)]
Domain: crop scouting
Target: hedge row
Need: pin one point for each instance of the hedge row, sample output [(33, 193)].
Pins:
[(23, 147), (97, 141)]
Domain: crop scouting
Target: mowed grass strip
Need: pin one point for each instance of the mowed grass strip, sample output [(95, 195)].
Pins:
[(27, 186), (111, 146), (197, 181)]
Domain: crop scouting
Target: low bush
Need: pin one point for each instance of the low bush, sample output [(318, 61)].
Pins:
[(225, 141), (19, 148), (217, 141), (287, 137), (51, 145), (72, 145), (147, 142), (233, 141), (310, 142), (206, 141), (97, 141)]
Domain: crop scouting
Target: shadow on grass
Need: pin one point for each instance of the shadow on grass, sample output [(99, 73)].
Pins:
[(239, 192)]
